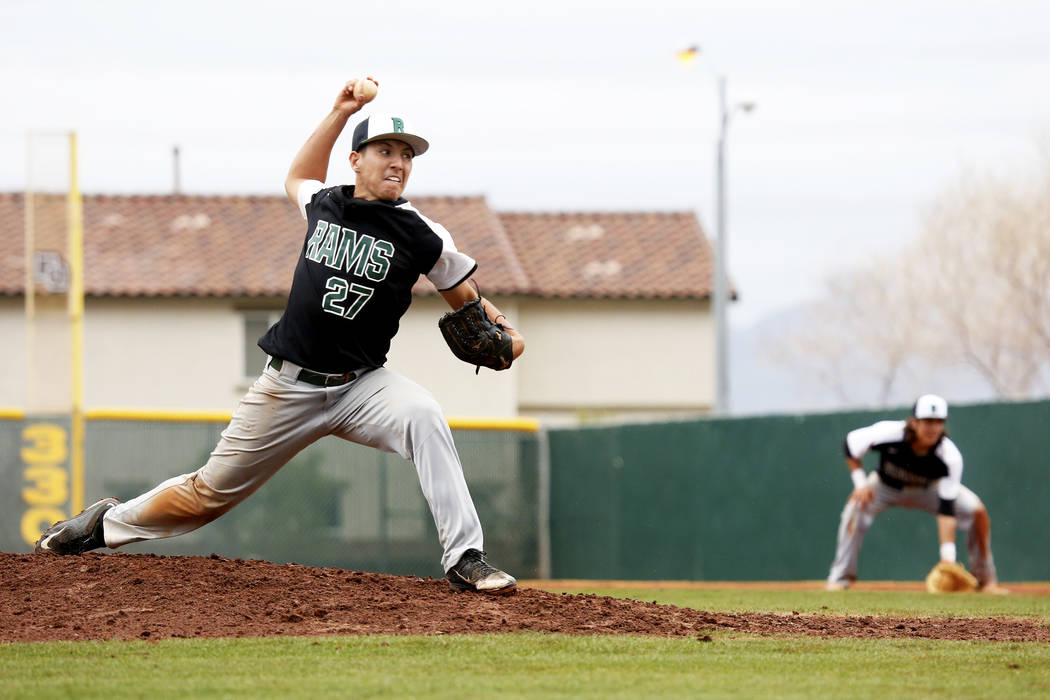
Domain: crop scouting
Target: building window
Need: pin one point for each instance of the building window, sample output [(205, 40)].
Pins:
[(255, 325)]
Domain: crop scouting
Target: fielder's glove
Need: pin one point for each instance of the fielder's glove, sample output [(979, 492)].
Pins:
[(950, 577), (475, 339)]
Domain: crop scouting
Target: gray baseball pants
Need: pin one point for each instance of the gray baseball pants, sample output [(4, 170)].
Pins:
[(856, 521), (278, 417)]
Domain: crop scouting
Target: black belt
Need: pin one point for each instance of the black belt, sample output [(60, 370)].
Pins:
[(316, 378)]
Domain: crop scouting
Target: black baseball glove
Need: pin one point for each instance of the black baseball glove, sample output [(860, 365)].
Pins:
[(475, 339)]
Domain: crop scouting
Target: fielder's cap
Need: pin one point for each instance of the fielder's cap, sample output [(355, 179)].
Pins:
[(380, 126), (930, 406)]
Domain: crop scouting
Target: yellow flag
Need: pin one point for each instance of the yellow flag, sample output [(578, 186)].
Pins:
[(689, 55)]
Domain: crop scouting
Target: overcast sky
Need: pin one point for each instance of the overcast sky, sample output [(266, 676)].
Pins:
[(864, 109)]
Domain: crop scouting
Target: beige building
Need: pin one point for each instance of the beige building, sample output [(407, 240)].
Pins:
[(614, 307)]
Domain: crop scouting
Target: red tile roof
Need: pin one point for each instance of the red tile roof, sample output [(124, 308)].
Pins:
[(188, 245), (478, 232), (612, 255)]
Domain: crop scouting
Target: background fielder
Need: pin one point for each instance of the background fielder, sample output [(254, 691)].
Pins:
[(919, 467), (365, 247)]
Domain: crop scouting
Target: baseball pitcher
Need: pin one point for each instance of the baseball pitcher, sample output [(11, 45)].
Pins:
[(364, 248)]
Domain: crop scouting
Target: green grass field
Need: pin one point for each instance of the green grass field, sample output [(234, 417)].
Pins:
[(536, 665), (819, 602)]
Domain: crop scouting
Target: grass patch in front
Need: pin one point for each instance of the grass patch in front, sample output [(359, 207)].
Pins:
[(525, 665), (890, 603)]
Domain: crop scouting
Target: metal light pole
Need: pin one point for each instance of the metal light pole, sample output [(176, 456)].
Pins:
[(721, 295), (721, 287)]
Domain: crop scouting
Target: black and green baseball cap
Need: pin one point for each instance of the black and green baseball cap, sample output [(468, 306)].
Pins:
[(380, 126)]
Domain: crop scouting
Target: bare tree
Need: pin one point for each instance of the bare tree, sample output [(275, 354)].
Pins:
[(860, 337), (987, 242), (973, 290)]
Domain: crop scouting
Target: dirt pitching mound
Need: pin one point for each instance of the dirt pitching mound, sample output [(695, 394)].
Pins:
[(45, 597)]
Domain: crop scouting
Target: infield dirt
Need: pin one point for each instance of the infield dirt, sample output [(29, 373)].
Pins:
[(45, 597)]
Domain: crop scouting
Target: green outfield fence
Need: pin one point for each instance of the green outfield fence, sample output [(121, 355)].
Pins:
[(722, 499), (759, 498)]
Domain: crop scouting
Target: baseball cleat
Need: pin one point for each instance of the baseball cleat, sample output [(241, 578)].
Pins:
[(473, 573), (79, 534), (836, 586)]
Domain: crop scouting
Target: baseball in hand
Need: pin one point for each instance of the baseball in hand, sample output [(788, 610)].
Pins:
[(365, 90)]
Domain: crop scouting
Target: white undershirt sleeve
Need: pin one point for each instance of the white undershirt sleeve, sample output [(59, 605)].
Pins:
[(452, 266), (307, 190)]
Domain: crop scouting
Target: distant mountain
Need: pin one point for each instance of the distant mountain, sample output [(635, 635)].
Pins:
[(760, 382)]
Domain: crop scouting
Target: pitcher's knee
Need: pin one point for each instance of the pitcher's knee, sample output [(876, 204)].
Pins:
[(191, 502)]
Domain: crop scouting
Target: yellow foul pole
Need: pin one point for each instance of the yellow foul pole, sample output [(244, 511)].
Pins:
[(30, 282), (76, 318)]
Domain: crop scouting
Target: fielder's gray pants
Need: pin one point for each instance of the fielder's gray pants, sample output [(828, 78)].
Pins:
[(280, 416), (856, 521)]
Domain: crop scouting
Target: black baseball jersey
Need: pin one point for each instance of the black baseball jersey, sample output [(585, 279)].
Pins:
[(354, 278), (899, 466)]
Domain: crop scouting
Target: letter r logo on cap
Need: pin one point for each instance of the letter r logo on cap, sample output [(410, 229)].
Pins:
[(399, 125)]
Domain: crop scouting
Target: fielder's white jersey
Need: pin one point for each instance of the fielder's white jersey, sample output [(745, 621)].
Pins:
[(900, 467)]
